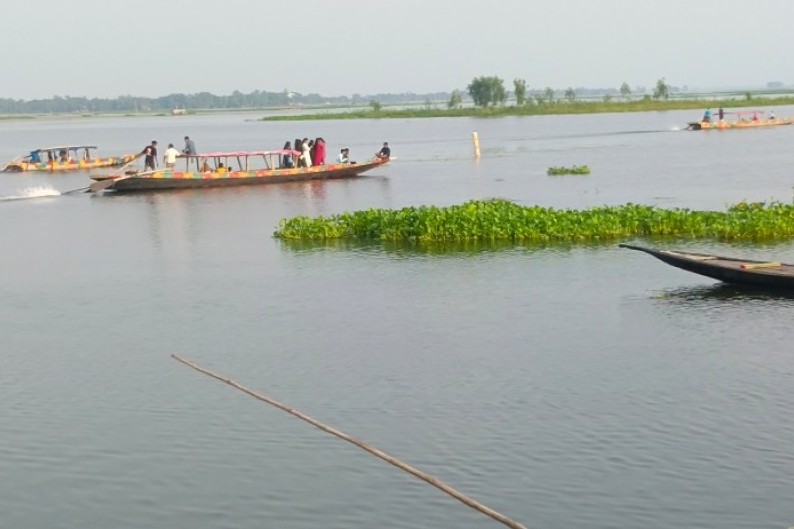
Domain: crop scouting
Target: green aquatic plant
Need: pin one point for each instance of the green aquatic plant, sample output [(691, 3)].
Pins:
[(574, 169), (502, 220)]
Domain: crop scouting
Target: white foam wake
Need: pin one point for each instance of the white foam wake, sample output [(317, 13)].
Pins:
[(33, 192)]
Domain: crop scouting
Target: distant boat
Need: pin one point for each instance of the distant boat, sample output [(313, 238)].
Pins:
[(770, 274), (744, 120), (178, 111), (221, 169), (64, 158)]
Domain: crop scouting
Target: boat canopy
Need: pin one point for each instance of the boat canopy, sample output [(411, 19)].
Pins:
[(65, 148), (224, 154)]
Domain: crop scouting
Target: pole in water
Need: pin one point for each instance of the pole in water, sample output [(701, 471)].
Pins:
[(475, 138), (499, 517)]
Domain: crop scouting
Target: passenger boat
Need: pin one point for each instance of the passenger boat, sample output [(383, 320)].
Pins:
[(771, 274), (65, 158), (219, 169), (744, 120)]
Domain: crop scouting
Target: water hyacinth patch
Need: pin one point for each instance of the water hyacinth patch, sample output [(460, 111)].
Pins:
[(575, 169), (502, 220)]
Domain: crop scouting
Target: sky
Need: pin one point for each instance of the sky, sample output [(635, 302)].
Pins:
[(109, 48)]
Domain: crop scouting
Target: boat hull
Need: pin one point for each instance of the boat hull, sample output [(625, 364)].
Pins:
[(727, 269), (191, 180)]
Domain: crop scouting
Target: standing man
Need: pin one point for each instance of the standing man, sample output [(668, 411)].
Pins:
[(170, 157), (190, 147), (150, 153)]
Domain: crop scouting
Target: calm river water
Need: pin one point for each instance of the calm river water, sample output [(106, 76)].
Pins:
[(583, 386)]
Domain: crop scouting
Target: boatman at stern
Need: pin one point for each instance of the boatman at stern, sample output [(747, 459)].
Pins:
[(384, 153)]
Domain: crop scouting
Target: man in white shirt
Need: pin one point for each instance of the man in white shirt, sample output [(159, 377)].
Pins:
[(170, 157)]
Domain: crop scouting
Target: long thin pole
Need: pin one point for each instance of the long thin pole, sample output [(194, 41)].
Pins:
[(361, 444)]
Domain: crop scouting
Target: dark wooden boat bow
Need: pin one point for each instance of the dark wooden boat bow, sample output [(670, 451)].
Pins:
[(770, 274)]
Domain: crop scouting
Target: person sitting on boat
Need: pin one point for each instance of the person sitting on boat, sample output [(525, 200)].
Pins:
[(34, 157), (286, 159), (707, 116), (221, 168), (344, 156), (385, 152), (720, 113), (755, 116), (771, 114), (63, 155)]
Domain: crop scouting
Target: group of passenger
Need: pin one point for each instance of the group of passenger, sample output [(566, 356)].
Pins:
[(306, 153), (303, 153), (169, 158)]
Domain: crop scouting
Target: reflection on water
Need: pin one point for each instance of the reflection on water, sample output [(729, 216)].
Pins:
[(734, 294)]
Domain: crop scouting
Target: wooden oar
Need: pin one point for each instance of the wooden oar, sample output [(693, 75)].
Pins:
[(361, 444)]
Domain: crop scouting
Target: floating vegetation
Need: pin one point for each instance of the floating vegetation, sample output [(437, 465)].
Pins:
[(576, 169), (502, 220)]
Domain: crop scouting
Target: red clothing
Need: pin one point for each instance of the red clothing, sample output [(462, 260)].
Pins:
[(319, 153)]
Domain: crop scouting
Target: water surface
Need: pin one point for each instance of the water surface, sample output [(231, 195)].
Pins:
[(565, 386)]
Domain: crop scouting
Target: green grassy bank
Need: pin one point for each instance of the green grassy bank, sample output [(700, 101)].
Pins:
[(557, 107), (502, 220)]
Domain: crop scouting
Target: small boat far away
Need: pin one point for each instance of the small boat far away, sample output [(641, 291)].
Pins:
[(745, 119), (220, 169), (769, 274), (64, 158)]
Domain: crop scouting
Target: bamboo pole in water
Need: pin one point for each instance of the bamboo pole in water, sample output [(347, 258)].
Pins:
[(361, 444)]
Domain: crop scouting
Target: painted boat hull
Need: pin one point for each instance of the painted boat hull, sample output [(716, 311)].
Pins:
[(723, 125), (73, 165), (191, 180), (727, 269)]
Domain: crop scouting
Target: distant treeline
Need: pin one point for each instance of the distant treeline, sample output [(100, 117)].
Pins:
[(201, 100)]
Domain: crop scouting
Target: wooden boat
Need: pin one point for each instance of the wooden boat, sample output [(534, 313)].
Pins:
[(219, 169), (728, 269), (744, 120), (65, 158)]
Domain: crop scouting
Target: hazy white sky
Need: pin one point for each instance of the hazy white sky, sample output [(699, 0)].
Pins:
[(107, 48)]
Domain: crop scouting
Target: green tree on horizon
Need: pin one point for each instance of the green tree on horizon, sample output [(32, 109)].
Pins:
[(520, 86), (455, 99), (487, 91), (662, 90)]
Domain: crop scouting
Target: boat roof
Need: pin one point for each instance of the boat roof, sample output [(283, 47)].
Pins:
[(64, 147), (229, 154)]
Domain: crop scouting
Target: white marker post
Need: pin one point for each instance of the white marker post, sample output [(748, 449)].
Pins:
[(476, 140)]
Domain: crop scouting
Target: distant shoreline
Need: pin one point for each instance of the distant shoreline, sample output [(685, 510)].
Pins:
[(544, 109), (434, 110)]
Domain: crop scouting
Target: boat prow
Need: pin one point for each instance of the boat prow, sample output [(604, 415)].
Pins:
[(769, 274)]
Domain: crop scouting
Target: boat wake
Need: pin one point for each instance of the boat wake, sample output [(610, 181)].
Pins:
[(32, 192)]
